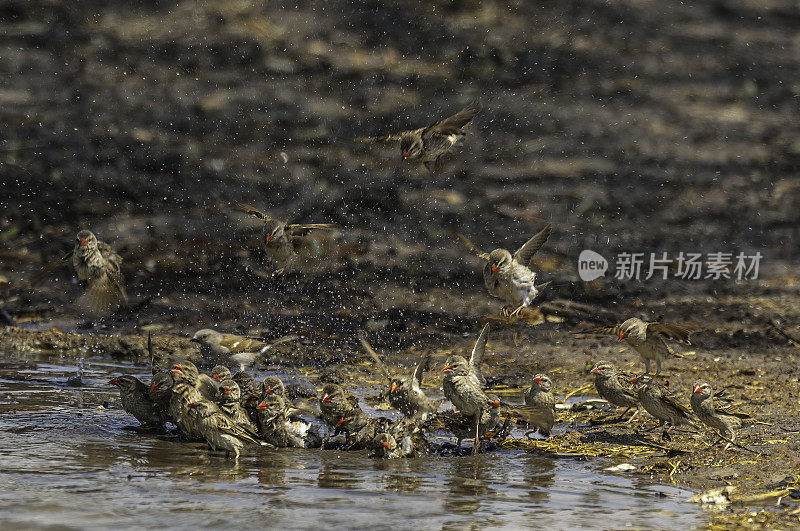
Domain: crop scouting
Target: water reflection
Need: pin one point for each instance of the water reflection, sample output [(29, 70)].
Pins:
[(61, 444)]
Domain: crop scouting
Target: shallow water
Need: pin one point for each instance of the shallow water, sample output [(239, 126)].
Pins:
[(67, 461)]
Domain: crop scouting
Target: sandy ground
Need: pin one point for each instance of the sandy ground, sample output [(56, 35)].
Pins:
[(629, 126)]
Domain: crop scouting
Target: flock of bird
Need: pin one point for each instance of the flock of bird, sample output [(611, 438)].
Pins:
[(231, 411)]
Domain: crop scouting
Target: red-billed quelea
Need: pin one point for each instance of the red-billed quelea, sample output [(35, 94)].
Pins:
[(508, 276), (137, 402), (283, 241), (340, 408), (661, 403), (160, 392), (716, 413), (540, 398), (429, 144), (615, 386), (220, 372), (405, 392), (647, 339), (229, 401), (463, 390), (278, 412), (219, 431), (189, 387), (404, 438), (229, 350), (98, 268)]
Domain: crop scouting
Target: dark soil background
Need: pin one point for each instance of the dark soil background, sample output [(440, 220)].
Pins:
[(630, 126)]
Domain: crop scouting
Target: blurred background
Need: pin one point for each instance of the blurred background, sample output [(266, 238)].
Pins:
[(631, 126)]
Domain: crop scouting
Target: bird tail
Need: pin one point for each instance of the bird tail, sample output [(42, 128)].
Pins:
[(469, 245), (540, 287), (373, 139), (102, 298)]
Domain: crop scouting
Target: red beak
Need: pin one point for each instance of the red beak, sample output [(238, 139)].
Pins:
[(262, 405), (341, 421), (447, 368), (154, 386), (326, 398), (622, 335), (387, 445), (595, 370), (495, 269), (633, 379), (495, 404), (114, 381), (393, 387), (268, 390), (697, 389), (226, 391), (537, 380), (83, 242), (217, 378), (268, 238), (406, 154)]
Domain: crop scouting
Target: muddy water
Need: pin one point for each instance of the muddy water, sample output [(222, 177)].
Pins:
[(68, 461)]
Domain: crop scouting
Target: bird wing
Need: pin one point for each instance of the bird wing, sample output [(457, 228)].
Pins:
[(352, 400), (529, 248), (601, 330), (251, 211), (672, 331), (388, 138), (236, 343), (727, 409), (452, 124), (673, 401), (48, 270), (478, 355), (225, 425), (624, 380), (302, 230), (528, 414), (480, 254), (420, 369), (378, 361), (111, 256), (104, 294), (207, 387)]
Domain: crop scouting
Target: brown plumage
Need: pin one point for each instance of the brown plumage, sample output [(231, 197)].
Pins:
[(615, 386), (229, 401), (340, 409), (647, 339), (405, 392), (98, 268), (540, 398), (429, 144), (715, 412), (283, 241), (661, 403), (219, 431), (137, 402), (508, 276)]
